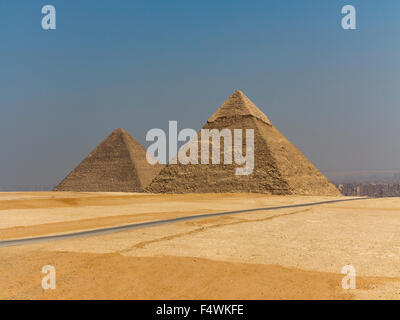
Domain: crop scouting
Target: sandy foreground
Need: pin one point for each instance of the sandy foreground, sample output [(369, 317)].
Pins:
[(291, 253)]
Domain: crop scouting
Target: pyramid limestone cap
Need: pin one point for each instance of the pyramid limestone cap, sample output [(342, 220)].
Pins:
[(238, 104), (119, 130)]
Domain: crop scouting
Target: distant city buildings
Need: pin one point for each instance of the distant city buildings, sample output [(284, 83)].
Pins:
[(378, 185), (370, 189)]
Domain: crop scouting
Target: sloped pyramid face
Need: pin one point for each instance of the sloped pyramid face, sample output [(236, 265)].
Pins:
[(279, 167), (118, 164)]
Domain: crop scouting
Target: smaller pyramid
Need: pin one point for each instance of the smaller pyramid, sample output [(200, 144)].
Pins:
[(118, 164)]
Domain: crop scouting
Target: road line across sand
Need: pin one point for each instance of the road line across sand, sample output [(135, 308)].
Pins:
[(103, 231)]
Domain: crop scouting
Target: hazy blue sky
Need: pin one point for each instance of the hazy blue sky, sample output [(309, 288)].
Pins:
[(137, 64)]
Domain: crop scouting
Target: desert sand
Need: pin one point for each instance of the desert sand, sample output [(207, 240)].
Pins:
[(291, 253)]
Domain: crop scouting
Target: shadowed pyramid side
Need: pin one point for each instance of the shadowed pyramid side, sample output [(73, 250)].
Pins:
[(118, 164), (302, 177)]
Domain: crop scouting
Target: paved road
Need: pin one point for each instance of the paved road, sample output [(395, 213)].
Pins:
[(103, 231)]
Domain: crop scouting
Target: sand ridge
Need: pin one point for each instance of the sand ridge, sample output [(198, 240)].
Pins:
[(113, 276)]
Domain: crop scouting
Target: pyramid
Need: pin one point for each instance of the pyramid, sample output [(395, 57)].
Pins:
[(118, 164), (279, 167)]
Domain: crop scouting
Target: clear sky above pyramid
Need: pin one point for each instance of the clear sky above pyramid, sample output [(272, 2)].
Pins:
[(136, 65)]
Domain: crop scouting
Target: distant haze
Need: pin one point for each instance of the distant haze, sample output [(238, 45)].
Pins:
[(364, 176), (334, 93)]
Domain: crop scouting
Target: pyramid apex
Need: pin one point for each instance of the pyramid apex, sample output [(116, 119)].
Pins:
[(119, 130), (238, 104)]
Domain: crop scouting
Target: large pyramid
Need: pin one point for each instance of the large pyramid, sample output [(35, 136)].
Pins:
[(118, 164), (279, 167)]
